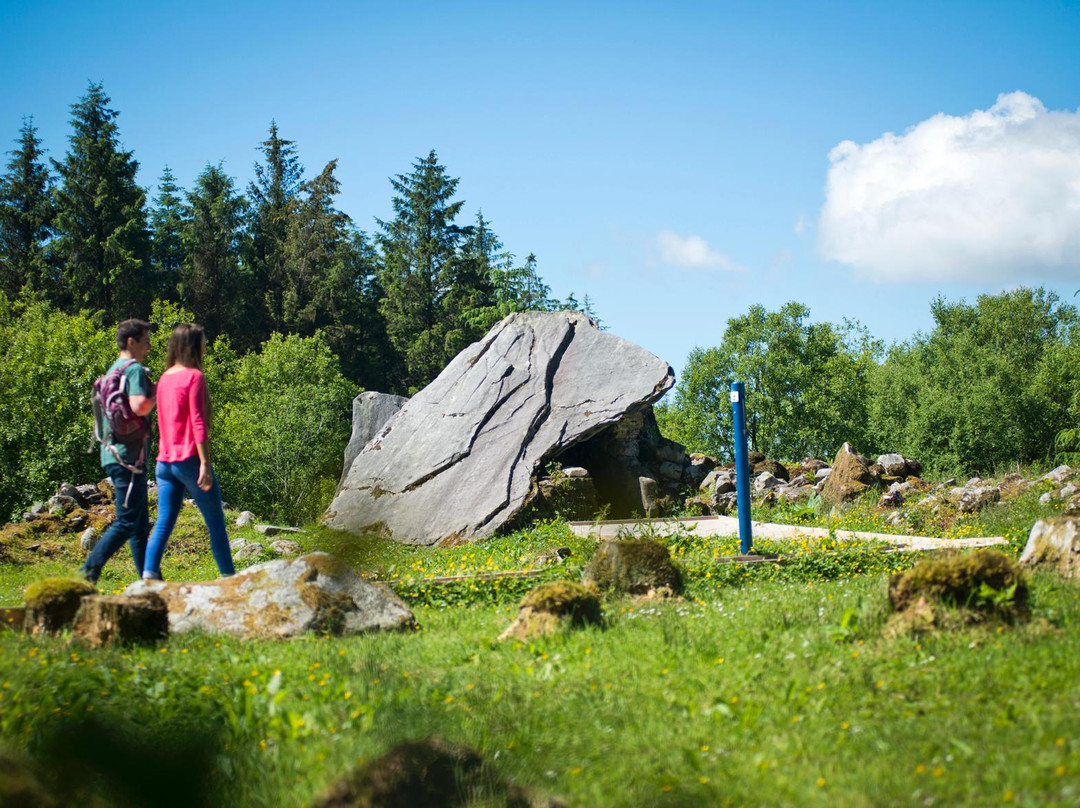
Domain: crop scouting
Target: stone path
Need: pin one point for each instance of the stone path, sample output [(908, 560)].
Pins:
[(729, 526)]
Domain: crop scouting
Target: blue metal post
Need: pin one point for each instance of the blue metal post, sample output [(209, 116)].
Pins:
[(742, 466)]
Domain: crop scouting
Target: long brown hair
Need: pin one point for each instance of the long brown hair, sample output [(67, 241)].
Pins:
[(187, 343)]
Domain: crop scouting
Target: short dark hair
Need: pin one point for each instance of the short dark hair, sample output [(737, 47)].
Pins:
[(186, 346), (130, 329)]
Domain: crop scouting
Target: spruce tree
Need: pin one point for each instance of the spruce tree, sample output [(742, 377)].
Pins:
[(273, 197), (420, 253), (210, 276), (166, 233), (103, 244), (26, 216)]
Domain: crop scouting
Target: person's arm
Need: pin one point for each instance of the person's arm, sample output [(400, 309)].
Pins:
[(199, 408), (143, 401)]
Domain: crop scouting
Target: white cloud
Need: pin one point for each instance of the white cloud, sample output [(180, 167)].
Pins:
[(993, 195), (692, 252), (800, 225)]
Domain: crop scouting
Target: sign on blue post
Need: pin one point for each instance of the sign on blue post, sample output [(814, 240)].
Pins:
[(742, 466)]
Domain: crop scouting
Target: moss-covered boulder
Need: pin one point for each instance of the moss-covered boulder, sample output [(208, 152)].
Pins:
[(850, 476), (632, 567), (1054, 543), (51, 603), (121, 620), (982, 583), (431, 773), (550, 607)]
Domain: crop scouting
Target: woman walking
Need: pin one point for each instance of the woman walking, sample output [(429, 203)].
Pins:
[(183, 460)]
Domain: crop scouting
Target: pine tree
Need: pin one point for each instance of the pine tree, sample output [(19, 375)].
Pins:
[(273, 197), (210, 276), (26, 216), (103, 244), (419, 260), (166, 233)]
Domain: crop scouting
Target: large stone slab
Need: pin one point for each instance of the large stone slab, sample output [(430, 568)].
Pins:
[(457, 461), (313, 593)]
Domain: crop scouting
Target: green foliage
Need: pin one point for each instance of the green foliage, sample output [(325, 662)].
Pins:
[(26, 217), (103, 244), (48, 361), (806, 386), (280, 427), (993, 383), (166, 233)]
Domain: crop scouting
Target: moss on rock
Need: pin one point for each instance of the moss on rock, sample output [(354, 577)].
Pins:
[(51, 603), (632, 566), (985, 581), (564, 599)]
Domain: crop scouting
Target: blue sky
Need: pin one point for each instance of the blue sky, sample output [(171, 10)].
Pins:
[(675, 161)]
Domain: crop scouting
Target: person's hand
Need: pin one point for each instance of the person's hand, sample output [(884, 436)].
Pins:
[(206, 477)]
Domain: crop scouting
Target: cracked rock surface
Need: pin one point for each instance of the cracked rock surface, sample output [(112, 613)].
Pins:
[(456, 461)]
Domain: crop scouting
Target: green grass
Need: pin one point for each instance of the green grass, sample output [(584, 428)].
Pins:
[(768, 685)]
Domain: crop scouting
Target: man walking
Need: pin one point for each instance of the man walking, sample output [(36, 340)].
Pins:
[(124, 463)]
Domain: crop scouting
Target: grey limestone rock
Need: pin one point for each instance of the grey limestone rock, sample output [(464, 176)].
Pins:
[(251, 549), (283, 598), (370, 412), (244, 519), (1054, 543), (457, 461), (88, 538), (286, 548)]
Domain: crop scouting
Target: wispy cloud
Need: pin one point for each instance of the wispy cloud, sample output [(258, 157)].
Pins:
[(692, 252), (992, 195)]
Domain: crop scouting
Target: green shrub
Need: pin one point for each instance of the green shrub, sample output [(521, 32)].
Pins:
[(48, 360), (281, 422)]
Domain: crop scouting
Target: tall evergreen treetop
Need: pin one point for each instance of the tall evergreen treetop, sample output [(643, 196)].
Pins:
[(103, 244), (166, 229), (26, 215)]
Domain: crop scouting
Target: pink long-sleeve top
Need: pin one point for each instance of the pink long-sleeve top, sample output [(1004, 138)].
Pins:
[(183, 410)]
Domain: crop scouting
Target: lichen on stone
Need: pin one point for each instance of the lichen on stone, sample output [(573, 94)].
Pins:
[(632, 566)]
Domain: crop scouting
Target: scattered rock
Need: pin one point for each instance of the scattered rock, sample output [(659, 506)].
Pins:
[(765, 481), (850, 476), (237, 544), (51, 603), (283, 598), (650, 495), (244, 519), (1054, 543), (893, 464), (251, 549), (1058, 476), (974, 496), (979, 582), (88, 539), (121, 620), (60, 504), (551, 607), (633, 567), (773, 467), (457, 461), (286, 548), (273, 530)]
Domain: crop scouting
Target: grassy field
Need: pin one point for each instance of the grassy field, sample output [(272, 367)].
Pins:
[(767, 685)]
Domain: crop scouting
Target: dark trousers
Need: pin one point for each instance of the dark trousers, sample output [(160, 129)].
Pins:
[(132, 523)]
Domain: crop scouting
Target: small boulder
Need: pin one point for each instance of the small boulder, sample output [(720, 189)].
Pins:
[(1054, 543), (60, 504), (273, 530), (777, 469), (975, 581), (850, 476), (251, 549), (88, 539), (285, 548), (550, 607), (893, 464), (236, 544), (314, 593), (51, 603), (765, 481), (244, 519), (1058, 476), (633, 567), (120, 620), (974, 497)]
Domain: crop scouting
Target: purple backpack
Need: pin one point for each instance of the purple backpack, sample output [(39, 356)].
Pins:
[(109, 399)]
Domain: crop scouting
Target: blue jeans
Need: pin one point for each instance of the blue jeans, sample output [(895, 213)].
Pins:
[(173, 479), (132, 523)]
